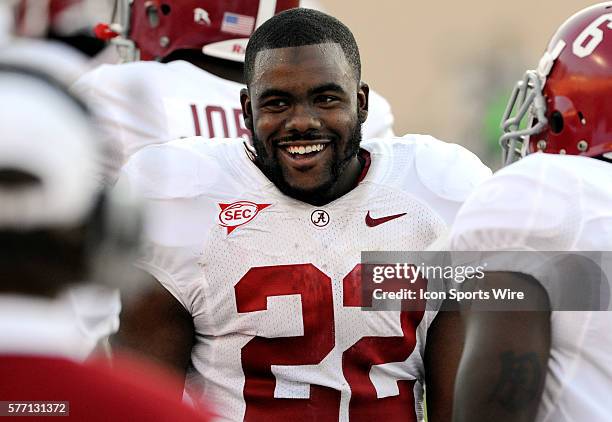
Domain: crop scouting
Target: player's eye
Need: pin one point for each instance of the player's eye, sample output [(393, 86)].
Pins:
[(276, 104), (326, 100)]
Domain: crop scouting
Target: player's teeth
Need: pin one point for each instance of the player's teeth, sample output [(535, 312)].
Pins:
[(305, 150)]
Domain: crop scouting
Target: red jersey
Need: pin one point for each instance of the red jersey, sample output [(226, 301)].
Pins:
[(93, 391)]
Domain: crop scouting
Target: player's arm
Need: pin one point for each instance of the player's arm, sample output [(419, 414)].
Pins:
[(442, 354), (502, 370), (156, 326)]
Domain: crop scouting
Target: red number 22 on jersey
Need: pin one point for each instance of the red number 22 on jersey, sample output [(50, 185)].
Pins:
[(315, 290)]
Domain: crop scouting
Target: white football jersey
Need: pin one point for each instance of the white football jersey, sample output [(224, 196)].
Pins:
[(144, 103), (273, 283), (550, 202)]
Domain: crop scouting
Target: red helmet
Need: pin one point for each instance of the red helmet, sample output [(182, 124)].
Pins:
[(219, 28), (569, 97)]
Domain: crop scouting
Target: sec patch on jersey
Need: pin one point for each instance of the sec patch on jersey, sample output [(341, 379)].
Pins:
[(238, 214)]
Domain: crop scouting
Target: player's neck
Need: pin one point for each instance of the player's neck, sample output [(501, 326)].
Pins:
[(346, 182), (225, 69)]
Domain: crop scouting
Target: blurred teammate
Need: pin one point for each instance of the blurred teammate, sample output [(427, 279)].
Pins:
[(195, 90), (546, 366), (67, 21), (259, 253), (26, 28), (58, 226)]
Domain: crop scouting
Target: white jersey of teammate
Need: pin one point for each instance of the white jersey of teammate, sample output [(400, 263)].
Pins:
[(144, 103), (272, 283), (553, 203)]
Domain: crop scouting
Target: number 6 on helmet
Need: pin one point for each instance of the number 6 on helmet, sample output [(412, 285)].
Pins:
[(567, 99)]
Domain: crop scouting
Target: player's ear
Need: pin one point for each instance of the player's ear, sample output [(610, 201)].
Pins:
[(363, 101), (247, 111)]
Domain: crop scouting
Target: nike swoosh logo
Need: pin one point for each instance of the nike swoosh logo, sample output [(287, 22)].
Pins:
[(373, 222)]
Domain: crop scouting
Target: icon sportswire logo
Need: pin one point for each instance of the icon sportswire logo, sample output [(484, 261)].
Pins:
[(238, 213), (373, 222)]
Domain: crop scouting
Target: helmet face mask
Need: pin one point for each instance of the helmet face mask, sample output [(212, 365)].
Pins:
[(568, 98), (528, 101), (153, 29)]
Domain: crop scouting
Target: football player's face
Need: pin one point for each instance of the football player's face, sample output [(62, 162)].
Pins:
[(305, 107)]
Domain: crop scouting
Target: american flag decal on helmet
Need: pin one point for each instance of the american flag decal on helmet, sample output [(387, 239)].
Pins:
[(237, 24)]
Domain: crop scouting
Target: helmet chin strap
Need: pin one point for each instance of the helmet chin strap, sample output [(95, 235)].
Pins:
[(548, 59)]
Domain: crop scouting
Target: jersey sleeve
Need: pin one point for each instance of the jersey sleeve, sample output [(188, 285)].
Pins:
[(532, 206), (379, 123), (126, 108), (86, 89), (447, 172), (170, 180)]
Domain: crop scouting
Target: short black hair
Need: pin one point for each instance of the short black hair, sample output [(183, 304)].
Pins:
[(298, 27)]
